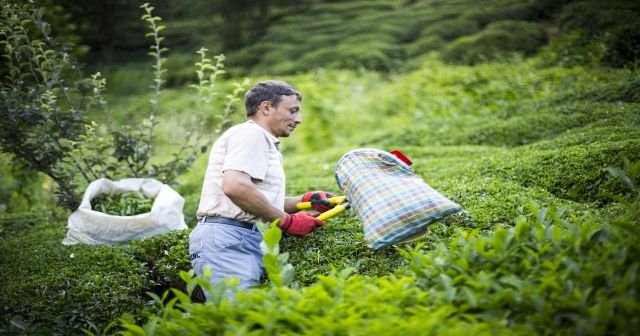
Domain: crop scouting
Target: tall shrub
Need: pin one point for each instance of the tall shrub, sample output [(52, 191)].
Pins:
[(42, 97), (46, 101)]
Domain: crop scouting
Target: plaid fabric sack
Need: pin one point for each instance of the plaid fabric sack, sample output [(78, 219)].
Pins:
[(393, 203)]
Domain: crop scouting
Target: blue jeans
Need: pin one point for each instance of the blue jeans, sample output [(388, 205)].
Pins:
[(229, 251)]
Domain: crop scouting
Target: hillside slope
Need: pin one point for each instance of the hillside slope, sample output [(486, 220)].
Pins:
[(396, 36), (543, 155), (511, 142)]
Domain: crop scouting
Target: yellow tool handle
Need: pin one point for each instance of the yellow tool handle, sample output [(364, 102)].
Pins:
[(333, 200), (336, 210), (303, 205)]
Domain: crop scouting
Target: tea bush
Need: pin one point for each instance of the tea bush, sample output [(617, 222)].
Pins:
[(493, 137), (21, 189), (499, 39), (625, 91), (623, 46), (511, 105), (385, 41), (507, 10), (592, 288), (509, 281), (576, 173), (289, 31), (593, 32), (55, 289), (450, 30), (594, 16), (424, 45), (338, 245), (163, 257)]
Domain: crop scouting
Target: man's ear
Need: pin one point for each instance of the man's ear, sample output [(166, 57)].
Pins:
[(264, 107)]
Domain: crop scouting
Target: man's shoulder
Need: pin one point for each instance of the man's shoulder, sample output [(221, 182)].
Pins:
[(244, 132), (246, 126), (242, 129)]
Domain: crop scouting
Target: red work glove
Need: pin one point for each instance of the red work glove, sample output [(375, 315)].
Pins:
[(299, 224), (319, 200)]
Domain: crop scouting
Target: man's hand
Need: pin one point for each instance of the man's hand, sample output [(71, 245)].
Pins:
[(319, 200), (299, 224)]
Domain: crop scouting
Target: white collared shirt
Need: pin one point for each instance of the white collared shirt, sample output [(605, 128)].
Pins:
[(248, 148)]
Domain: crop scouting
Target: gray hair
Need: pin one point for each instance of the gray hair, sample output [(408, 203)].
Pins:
[(270, 90)]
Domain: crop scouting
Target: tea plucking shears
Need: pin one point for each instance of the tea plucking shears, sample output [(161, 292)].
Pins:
[(340, 202)]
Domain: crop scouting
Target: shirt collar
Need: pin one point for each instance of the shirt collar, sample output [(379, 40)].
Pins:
[(275, 141)]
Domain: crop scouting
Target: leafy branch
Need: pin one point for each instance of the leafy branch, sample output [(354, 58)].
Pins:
[(43, 112), (46, 100)]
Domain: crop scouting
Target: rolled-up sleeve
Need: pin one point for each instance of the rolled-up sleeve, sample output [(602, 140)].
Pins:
[(247, 152)]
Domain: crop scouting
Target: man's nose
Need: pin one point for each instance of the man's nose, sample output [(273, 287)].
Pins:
[(297, 118)]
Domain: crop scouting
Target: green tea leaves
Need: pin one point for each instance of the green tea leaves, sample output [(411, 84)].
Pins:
[(279, 271), (125, 204)]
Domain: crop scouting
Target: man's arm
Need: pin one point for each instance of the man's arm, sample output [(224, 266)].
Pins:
[(318, 199), (243, 193), (290, 204), (240, 189)]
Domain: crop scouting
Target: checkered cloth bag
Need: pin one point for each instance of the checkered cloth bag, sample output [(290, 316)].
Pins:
[(393, 203)]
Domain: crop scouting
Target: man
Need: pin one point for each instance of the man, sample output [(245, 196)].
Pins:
[(244, 183)]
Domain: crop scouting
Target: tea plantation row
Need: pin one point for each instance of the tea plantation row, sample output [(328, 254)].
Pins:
[(539, 247)]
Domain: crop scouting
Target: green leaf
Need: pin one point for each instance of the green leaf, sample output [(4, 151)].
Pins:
[(132, 328), (512, 280), (19, 324), (287, 274), (617, 172), (557, 234), (254, 317), (345, 273), (181, 296), (39, 13), (542, 214), (634, 170), (500, 239), (631, 276), (616, 198), (521, 228), (469, 296), (272, 237), (156, 298), (151, 326), (446, 282)]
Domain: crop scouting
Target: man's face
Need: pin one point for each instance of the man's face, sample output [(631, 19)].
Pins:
[(285, 117)]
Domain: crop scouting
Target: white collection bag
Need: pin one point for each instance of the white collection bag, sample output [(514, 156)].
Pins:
[(88, 226)]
